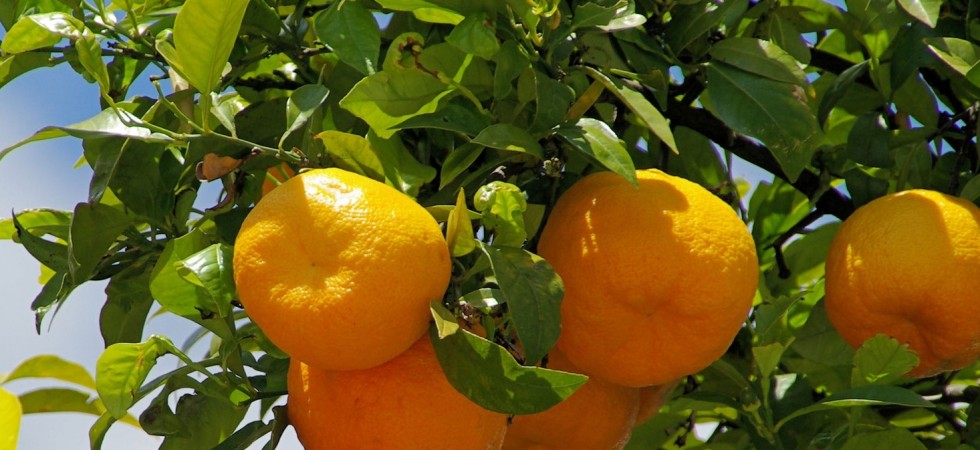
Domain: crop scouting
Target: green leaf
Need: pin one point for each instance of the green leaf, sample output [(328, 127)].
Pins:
[(487, 374), (877, 395), (302, 103), (107, 123), (94, 228), (774, 112), (762, 58), (552, 100), (882, 360), (459, 160), (508, 137), (353, 153), (90, 56), (476, 35), (211, 269), (10, 414), (59, 400), (446, 323), (39, 221), (960, 55), (41, 30), (502, 206), (511, 60), (925, 11), (452, 117), (204, 33), (351, 31), (53, 255), (690, 22), (96, 434), (482, 298), (54, 367), (245, 436), (128, 301), (785, 35), (533, 292), (385, 100), (639, 105), (15, 65), (970, 191), (459, 229), (597, 14), (176, 294), (767, 357), (122, 368), (401, 169), (837, 90), (597, 141), (206, 421)]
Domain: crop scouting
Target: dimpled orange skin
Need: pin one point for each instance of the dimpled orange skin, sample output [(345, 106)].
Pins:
[(908, 265), (338, 269), (598, 416), (404, 404), (658, 279)]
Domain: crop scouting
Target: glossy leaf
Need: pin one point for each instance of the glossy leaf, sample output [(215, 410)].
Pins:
[(401, 169), (925, 11), (384, 100), (597, 141), (211, 269), (594, 14), (759, 57), (509, 137), (303, 102), (206, 421), (774, 112), (128, 301), (837, 90), (10, 414), (40, 30), (121, 370), (53, 367), (204, 34), (639, 105), (489, 376), (351, 31), (172, 291), (960, 55), (533, 292), (38, 221), (452, 117)]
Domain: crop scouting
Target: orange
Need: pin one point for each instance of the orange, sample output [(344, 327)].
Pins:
[(658, 278), (280, 173), (338, 269), (908, 265), (652, 398), (404, 404), (598, 416)]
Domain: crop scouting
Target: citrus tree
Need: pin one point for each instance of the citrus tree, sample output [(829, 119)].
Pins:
[(710, 322)]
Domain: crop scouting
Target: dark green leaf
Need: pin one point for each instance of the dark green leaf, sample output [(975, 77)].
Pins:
[(511, 138), (552, 99), (458, 161), (595, 14), (511, 61), (533, 292), (452, 117), (639, 105), (597, 141), (245, 436), (211, 269), (351, 31), (476, 35), (774, 112), (489, 376), (302, 103), (690, 22), (785, 34), (759, 57), (52, 366), (54, 255), (128, 301), (94, 228), (206, 421), (837, 90)]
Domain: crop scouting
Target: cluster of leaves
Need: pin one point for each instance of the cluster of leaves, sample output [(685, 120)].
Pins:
[(485, 111)]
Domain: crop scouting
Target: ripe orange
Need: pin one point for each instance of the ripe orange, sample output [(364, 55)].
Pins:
[(598, 416), (404, 404), (908, 265), (338, 269), (280, 173), (652, 398), (658, 279)]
